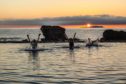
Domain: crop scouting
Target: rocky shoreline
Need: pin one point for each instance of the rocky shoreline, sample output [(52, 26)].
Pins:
[(113, 36)]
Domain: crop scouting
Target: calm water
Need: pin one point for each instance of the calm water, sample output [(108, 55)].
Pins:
[(81, 33), (58, 65)]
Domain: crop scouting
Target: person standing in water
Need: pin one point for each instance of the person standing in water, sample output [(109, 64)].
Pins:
[(34, 42), (71, 42)]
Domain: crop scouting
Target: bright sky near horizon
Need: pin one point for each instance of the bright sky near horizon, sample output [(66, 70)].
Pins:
[(29, 9)]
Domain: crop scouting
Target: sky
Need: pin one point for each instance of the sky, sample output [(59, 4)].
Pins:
[(37, 10)]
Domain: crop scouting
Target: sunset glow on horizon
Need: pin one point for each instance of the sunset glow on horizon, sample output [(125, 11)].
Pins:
[(85, 26), (39, 9)]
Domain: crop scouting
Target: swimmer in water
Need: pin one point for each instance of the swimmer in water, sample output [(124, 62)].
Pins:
[(34, 42)]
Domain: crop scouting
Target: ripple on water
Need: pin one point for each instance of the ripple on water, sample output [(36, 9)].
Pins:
[(81, 66)]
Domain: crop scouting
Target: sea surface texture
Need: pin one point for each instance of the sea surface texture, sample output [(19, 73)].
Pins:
[(56, 64)]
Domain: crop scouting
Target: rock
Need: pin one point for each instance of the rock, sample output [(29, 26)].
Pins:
[(112, 35), (54, 33)]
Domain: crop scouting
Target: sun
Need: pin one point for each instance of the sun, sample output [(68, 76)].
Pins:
[(88, 25)]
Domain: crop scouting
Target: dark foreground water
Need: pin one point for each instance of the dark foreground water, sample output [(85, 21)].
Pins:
[(57, 65)]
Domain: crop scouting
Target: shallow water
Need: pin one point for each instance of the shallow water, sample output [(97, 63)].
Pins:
[(58, 65)]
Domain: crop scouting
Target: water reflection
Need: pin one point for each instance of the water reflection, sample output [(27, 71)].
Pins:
[(93, 55), (89, 51), (72, 56), (34, 60), (92, 49)]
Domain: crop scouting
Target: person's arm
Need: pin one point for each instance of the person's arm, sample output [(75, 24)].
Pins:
[(38, 37), (74, 36), (28, 38)]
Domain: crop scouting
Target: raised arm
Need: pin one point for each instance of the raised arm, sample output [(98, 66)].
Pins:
[(28, 38), (74, 36), (38, 37)]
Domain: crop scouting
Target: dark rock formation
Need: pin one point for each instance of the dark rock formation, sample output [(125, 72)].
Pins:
[(112, 35), (53, 33)]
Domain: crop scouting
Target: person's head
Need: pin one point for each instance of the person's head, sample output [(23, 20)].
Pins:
[(71, 39), (89, 40), (33, 40)]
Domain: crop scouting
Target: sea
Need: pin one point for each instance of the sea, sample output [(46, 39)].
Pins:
[(56, 64)]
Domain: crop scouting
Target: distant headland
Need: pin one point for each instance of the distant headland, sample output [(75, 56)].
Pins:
[(92, 26)]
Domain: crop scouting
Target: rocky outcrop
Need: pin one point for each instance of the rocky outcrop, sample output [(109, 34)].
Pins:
[(112, 35), (53, 33)]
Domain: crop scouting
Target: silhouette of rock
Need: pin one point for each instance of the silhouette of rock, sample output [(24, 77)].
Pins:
[(112, 35), (53, 33)]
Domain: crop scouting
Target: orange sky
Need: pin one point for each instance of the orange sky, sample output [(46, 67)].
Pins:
[(13, 9), (31, 9)]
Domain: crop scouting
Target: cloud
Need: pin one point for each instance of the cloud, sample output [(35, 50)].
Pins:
[(73, 20)]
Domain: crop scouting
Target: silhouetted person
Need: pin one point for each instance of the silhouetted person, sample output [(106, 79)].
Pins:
[(34, 43), (92, 43), (71, 44), (89, 41)]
